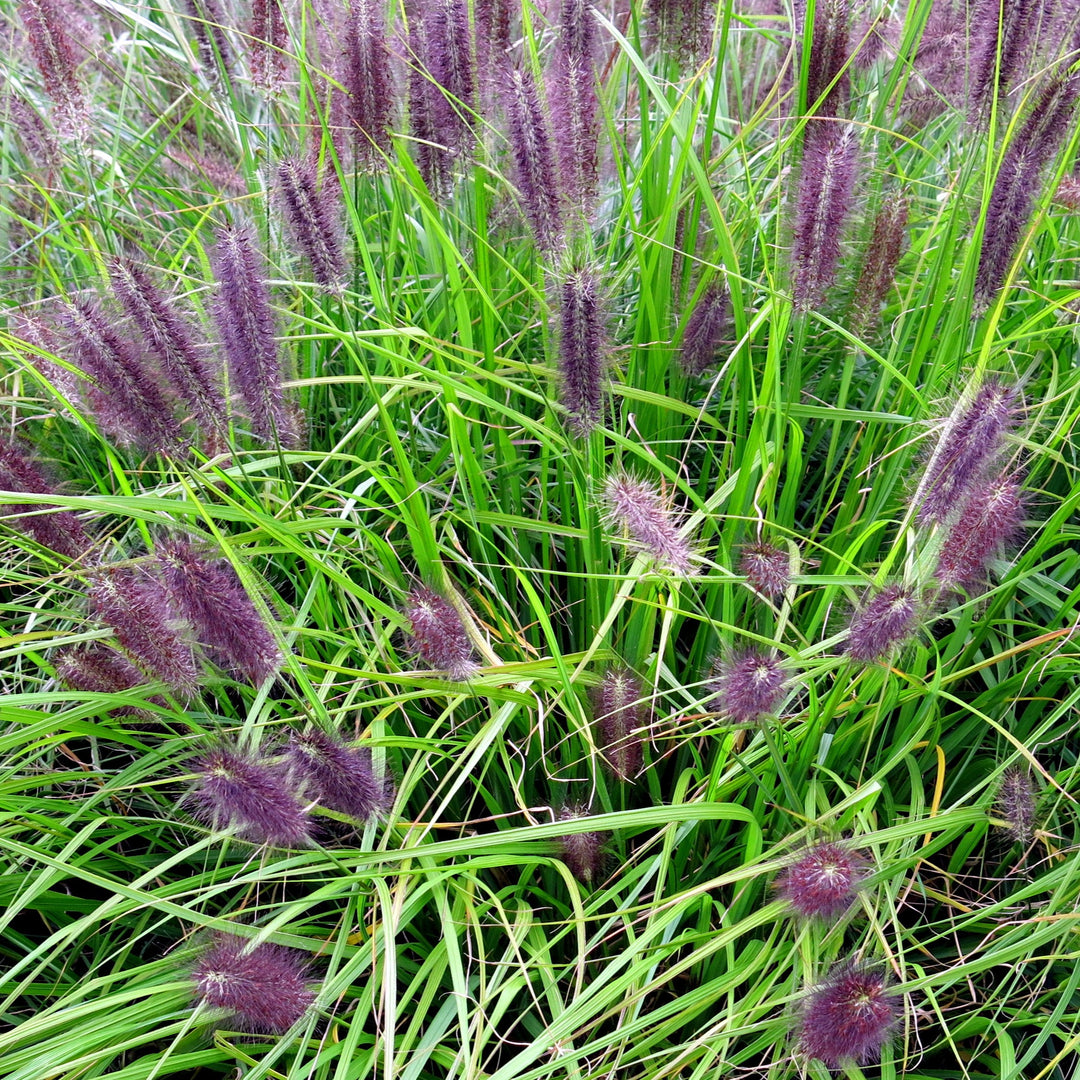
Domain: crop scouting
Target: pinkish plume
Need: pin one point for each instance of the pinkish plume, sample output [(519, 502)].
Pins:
[(884, 623), (822, 881), (367, 80), (46, 23), (1015, 803), (683, 27), (990, 519), (582, 345), (583, 852), (766, 567), (830, 50), (883, 251), (208, 22), (1002, 33), (58, 530), (621, 716), (312, 214), (96, 669), (646, 517), (339, 776), (438, 634), (268, 45), (750, 685), (706, 329)]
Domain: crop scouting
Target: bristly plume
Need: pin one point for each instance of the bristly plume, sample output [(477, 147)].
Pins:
[(207, 21), (822, 204), (169, 336), (883, 251), (268, 45), (263, 986), (312, 215), (438, 635), (970, 443), (134, 604), (766, 567), (830, 50), (1002, 39), (991, 518), (583, 852), (849, 1017), (37, 139), (126, 398), (209, 595), (647, 518), (621, 717), (58, 530), (822, 881), (1018, 182), (582, 347), (340, 777), (246, 324), (884, 623), (706, 329), (433, 156), (46, 24), (530, 143), (1015, 803), (368, 82), (750, 685), (96, 669), (451, 62), (683, 27), (251, 796)]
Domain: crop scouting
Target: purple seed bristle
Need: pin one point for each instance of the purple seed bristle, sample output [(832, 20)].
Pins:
[(450, 61), (750, 684), (821, 883), (706, 330), (849, 1017), (312, 214), (822, 204), (883, 251), (368, 82), (37, 139), (126, 397), (339, 776), (766, 567), (1068, 192), (209, 595), (42, 343), (621, 712), (135, 605), (264, 986), (1001, 42), (885, 622), (1015, 803), (1018, 183), (57, 530), (683, 28), (433, 156), (583, 852), (830, 50), (582, 346), (171, 339), (530, 143), (967, 448), (246, 324), (647, 518), (438, 635), (96, 669), (268, 43), (251, 796), (991, 519), (208, 23), (47, 23)]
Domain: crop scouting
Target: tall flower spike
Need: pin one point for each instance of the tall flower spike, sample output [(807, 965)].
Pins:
[(1015, 803), (312, 217), (169, 336), (708, 326), (530, 143), (210, 596), (646, 517), (750, 685), (246, 324), (207, 21), (268, 45), (885, 622), (583, 852), (263, 986), (58, 530), (340, 777), (830, 50), (620, 715), (822, 203), (883, 251), (971, 441), (46, 23), (682, 27), (251, 796), (451, 62), (367, 80), (1002, 38), (849, 1017), (433, 156), (766, 567), (821, 883), (95, 668), (438, 635), (37, 140), (582, 343)]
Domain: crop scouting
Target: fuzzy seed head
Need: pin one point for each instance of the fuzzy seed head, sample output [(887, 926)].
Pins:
[(46, 24), (1015, 803), (208, 21), (439, 637), (263, 985), (1002, 40), (682, 27), (829, 52), (709, 324), (621, 715), (312, 215), (766, 567), (575, 118), (821, 883), (58, 530), (94, 668), (750, 684), (990, 520), (268, 43), (251, 796), (646, 518), (367, 79), (885, 622), (582, 344), (883, 252), (583, 851), (37, 139), (340, 777), (849, 1017)]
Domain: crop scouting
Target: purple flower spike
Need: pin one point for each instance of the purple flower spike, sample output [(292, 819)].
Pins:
[(251, 796), (582, 344), (830, 50), (212, 598), (750, 684), (883, 624), (682, 27), (46, 23), (367, 80), (208, 22), (339, 776), (883, 252), (263, 985), (766, 567), (990, 519), (1002, 39), (620, 716), (438, 634), (97, 669), (312, 216), (647, 519), (822, 882), (268, 46), (582, 852), (1015, 803), (708, 326), (849, 1017), (57, 530)]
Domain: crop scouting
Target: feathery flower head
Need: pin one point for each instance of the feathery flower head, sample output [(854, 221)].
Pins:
[(849, 1017), (886, 621), (311, 214), (1015, 803), (647, 518), (367, 80), (251, 796), (583, 852), (37, 140), (990, 519), (267, 45), (821, 882), (750, 684), (621, 713), (46, 23), (58, 530), (766, 567), (96, 669), (208, 23), (830, 50), (582, 346), (263, 985), (706, 329), (575, 107), (1002, 38), (340, 777), (883, 251), (683, 27), (439, 637), (450, 61)]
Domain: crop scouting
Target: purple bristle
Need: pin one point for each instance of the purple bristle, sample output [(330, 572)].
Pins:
[(339, 776), (822, 882), (58, 530), (438, 635), (766, 567), (312, 215), (991, 518), (750, 684), (884, 623), (621, 710), (582, 344), (646, 517)]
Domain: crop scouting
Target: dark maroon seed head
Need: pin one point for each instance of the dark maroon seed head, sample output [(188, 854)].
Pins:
[(340, 777), (583, 852), (750, 684), (58, 530), (885, 622), (706, 329), (991, 518), (821, 882), (582, 343), (766, 567), (1015, 803), (621, 715), (439, 637), (640, 511)]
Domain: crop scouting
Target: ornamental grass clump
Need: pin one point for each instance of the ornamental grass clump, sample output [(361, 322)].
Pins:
[(749, 684), (264, 987), (438, 635), (647, 519), (886, 621), (338, 776), (822, 882)]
